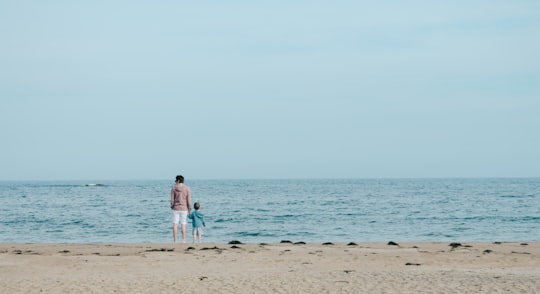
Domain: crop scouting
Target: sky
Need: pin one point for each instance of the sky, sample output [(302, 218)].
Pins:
[(133, 90)]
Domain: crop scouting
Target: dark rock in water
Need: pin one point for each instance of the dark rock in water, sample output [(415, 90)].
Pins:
[(235, 242), (455, 245), (352, 244), (299, 243), (328, 243), (392, 243), (285, 241)]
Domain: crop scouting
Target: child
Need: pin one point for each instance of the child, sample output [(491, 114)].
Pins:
[(198, 222)]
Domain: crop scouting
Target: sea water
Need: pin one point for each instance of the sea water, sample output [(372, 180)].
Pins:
[(329, 210)]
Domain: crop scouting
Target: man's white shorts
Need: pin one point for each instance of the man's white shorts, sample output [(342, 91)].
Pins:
[(180, 216)]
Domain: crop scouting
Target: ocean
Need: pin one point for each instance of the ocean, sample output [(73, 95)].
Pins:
[(253, 211)]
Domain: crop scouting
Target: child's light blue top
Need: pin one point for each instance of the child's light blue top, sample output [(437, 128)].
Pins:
[(198, 219)]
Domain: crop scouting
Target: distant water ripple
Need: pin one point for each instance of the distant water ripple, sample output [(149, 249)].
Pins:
[(273, 210)]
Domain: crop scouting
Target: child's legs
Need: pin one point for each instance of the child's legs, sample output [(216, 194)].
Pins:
[(197, 232)]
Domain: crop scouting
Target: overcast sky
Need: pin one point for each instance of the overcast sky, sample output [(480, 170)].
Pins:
[(106, 90)]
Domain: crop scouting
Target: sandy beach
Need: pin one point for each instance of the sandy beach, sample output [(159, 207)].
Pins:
[(411, 267)]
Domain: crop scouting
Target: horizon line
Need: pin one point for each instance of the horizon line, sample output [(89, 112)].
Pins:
[(275, 179)]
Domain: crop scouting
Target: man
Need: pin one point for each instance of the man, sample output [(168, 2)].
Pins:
[(181, 206)]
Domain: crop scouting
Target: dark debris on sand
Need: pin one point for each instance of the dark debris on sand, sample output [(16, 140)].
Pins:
[(212, 248), (160, 250), (455, 245)]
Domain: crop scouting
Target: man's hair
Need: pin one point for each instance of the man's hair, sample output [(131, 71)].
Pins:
[(196, 205), (180, 179)]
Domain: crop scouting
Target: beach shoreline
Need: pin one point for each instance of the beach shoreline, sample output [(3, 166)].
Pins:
[(344, 267)]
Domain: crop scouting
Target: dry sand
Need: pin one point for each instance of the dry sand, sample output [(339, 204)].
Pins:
[(412, 267)]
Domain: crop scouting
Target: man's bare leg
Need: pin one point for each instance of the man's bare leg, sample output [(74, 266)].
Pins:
[(175, 231), (183, 233)]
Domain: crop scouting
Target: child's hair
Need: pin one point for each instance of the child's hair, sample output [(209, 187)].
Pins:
[(196, 206)]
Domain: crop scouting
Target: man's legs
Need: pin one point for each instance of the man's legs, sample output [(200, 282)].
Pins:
[(183, 233), (175, 231)]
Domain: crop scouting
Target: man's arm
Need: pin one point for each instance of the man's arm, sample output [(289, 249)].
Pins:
[(172, 198), (189, 201)]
